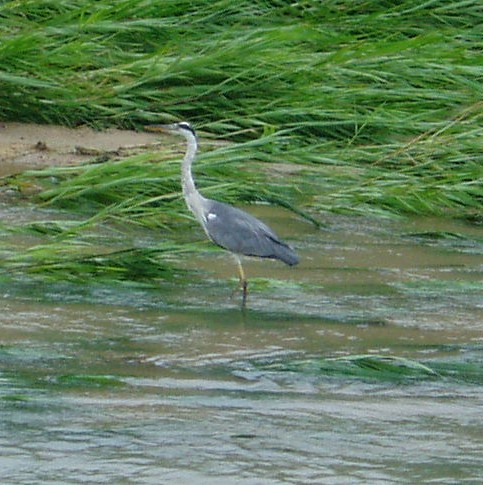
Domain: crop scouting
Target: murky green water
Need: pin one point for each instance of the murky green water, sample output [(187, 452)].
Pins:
[(126, 385)]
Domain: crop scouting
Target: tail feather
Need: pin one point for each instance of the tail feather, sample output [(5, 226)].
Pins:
[(285, 253)]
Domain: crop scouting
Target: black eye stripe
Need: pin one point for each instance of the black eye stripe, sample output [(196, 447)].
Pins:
[(186, 126)]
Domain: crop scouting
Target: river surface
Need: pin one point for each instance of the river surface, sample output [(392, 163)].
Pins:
[(177, 385)]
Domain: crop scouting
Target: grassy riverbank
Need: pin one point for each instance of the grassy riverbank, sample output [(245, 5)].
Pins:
[(384, 101), (371, 107)]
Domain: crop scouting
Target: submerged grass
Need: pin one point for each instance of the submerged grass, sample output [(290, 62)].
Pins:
[(373, 108), (371, 367)]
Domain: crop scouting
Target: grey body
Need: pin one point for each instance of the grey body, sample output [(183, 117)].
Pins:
[(243, 234), (228, 227)]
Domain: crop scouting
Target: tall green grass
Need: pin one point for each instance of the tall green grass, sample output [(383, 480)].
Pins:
[(383, 98), (377, 104)]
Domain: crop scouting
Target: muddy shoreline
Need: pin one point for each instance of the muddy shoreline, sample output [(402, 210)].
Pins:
[(34, 146)]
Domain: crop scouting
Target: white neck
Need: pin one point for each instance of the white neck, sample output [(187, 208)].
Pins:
[(194, 200)]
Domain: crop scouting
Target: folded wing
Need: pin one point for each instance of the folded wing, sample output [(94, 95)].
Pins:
[(241, 233)]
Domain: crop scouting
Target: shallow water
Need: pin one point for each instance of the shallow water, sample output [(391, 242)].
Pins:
[(124, 385)]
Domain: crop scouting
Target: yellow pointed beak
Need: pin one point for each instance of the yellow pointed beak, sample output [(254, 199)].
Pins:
[(160, 128)]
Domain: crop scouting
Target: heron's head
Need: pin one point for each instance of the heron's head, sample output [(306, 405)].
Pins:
[(182, 128)]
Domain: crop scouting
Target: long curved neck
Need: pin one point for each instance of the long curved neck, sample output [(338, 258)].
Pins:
[(194, 200)]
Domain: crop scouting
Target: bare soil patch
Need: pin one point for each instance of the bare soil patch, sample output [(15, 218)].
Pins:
[(32, 146)]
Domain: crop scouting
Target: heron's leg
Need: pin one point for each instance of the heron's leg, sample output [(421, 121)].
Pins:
[(243, 280)]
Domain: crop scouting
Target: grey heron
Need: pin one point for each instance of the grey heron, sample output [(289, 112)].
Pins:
[(230, 228)]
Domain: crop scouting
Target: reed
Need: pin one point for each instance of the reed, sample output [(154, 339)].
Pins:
[(375, 108)]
